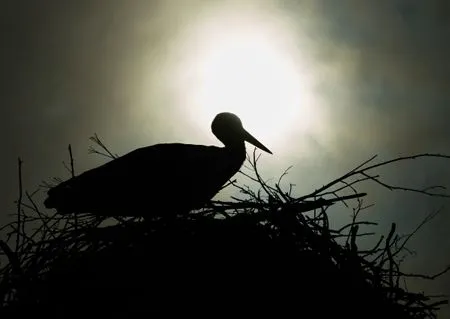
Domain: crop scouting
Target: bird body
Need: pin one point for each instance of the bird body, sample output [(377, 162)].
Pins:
[(170, 178)]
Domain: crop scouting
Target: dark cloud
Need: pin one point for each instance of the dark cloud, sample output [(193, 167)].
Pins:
[(401, 70)]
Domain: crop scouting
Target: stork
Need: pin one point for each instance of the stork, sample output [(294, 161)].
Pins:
[(168, 177)]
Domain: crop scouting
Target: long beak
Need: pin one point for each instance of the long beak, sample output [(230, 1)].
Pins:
[(249, 138)]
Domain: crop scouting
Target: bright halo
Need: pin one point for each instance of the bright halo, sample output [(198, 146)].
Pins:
[(247, 64)]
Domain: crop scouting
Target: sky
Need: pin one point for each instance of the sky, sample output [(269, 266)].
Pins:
[(323, 84)]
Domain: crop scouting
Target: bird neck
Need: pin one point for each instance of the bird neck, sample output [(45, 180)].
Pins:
[(236, 147)]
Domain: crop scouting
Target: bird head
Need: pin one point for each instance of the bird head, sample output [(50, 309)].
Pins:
[(227, 127)]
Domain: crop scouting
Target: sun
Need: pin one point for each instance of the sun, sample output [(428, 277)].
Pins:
[(246, 63)]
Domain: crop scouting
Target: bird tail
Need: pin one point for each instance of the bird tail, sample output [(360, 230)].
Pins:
[(50, 202), (59, 198)]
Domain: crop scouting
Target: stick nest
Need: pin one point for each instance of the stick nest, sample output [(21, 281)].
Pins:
[(267, 252)]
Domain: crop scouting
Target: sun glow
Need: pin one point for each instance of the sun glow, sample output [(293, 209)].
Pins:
[(247, 64)]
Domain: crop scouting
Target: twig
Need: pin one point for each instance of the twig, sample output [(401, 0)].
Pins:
[(19, 203), (432, 277), (72, 170)]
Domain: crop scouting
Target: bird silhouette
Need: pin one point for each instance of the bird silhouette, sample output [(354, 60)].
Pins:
[(158, 179)]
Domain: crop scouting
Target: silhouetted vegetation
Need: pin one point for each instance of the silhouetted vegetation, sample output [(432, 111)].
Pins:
[(265, 253)]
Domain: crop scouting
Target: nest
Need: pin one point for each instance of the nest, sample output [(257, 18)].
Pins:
[(267, 253)]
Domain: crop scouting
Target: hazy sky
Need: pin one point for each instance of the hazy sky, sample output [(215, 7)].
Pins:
[(323, 84)]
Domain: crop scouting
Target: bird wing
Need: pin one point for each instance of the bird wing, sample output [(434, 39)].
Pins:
[(148, 173)]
